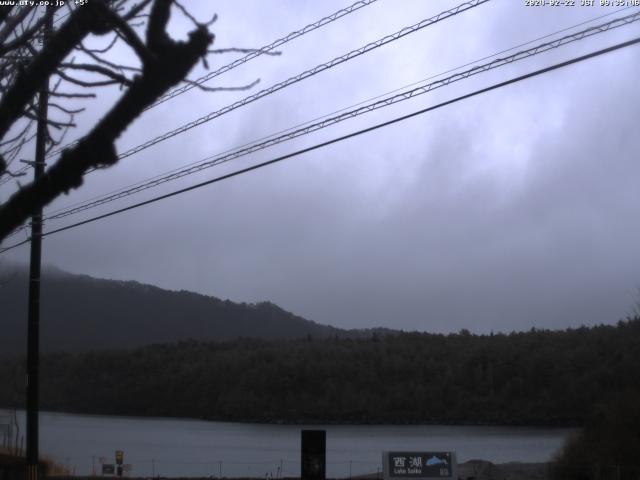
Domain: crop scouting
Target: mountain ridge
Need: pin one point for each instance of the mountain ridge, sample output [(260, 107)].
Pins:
[(83, 313)]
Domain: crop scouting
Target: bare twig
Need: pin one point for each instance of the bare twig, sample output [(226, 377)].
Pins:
[(168, 63), (66, 110), (88, 67), (100, 50), (186, 13), (54, 142), (55, 124), (85, 83), (14, 175), (108, 63), (130, 37), (16, 137), (81, 22), (28, 34), (12, 22), (223, 89), (135, 10), (72, 95), (274, 53)]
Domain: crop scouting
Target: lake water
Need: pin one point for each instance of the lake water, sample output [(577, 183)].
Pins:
[(178, 447)]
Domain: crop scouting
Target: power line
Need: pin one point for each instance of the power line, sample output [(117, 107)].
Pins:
[(170, 172), (267, 48), (253, 146), (319, 68), (295, 79), (400, 97), (342, 138), (306, 74), (250, 56)]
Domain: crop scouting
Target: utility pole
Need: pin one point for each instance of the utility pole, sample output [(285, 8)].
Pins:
[(33, 326)]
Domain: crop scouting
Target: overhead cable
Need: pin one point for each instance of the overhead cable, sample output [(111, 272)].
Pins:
[(262, 50), (385, 102), (297, 78), (341, 138), (250, 56), (308, 122), (306, 74)]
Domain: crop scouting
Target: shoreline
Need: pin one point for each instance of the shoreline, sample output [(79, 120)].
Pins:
[(476, 469), (305, 422)]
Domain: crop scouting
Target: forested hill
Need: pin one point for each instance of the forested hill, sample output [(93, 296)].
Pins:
[(532, 378), (81, 313)]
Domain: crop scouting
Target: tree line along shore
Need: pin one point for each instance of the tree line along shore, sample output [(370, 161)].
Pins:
[(538, 377)]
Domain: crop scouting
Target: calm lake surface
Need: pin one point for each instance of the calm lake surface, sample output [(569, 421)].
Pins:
[(177, 447)]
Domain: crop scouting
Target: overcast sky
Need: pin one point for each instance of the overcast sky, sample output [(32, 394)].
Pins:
[(515, 209)]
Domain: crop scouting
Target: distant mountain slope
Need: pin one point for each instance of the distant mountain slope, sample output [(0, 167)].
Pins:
[(81, 313)]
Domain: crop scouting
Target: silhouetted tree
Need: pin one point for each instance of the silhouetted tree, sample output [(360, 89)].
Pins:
[(608, 446), (25, 67)]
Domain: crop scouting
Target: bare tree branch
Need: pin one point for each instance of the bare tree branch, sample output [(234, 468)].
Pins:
[(85, 84), (59, 140), (100, 50), (72, 95), (127, 34), (4, 13), (16, 137), (109, 64), (157, 37), (27, 35), (89, 67), (16, 175), (135, 10), (66, 110), (274, 53), (12, 22), (49, 121), (169, 63), (82, 22), (186, 13), (223, 89)]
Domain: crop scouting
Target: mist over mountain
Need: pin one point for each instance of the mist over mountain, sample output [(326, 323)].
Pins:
[(81, 313)]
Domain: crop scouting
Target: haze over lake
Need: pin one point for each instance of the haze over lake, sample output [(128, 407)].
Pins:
[(177, 447)]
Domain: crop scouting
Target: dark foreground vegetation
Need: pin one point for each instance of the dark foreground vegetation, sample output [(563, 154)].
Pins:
[(530, 378), (608, 447)]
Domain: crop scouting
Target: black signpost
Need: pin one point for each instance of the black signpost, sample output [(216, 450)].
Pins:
[(314, 454), (419, 465)]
